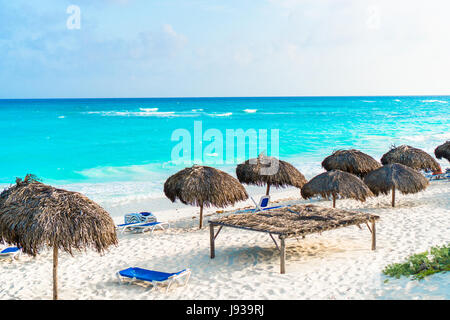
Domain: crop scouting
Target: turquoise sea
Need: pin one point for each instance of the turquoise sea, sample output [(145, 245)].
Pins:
[(114, 149)]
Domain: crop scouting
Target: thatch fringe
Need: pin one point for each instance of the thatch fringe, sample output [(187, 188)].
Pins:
[(334, 183), (398, 176), (250, 172), (411, 157), (204, 186), (34, 215), (351, 161), (443, 151)]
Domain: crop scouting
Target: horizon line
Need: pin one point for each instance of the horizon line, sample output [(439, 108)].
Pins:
[(232, 97)]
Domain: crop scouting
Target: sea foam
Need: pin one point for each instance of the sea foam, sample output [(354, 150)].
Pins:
[(146, 113), (227, 114), (438, 101)]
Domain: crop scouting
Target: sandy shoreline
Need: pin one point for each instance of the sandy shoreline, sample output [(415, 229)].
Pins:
[(335, 265)]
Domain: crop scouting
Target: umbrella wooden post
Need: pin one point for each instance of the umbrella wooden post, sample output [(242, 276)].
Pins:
[(393, 196), (201, 216), (211, 240), (55, 272), (282, 255), (334, 200), (374, 238), (268, 189)]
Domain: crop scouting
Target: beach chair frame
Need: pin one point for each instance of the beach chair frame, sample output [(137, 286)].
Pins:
[(136, 219), (145, 226), (122, 227), (11, 255), (440, 176), (259, 204), (156, 285)]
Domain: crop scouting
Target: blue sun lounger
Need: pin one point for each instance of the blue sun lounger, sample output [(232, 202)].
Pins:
[(263, 203), (154, 277), (11, 252)]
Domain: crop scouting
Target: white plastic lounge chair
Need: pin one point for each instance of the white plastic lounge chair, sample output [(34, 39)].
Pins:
[(11, 252), (263, 203), (147, 226), (261, 206), (154, 277)]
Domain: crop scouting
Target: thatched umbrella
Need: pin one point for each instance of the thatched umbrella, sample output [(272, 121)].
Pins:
[(258, 172), (351, 161), (395, 176), (411, 157), (204, 187), (443, 151), (34, 215), (336, 183)]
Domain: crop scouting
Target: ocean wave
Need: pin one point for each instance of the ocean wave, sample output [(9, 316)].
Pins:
[(274, 113), (431, 101), (368, 101), (149, 109), (197, 110), (227, 114), (141, 113), (250, 110)]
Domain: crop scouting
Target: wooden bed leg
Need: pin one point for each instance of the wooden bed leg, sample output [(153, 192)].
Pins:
[(282, 256), (211, 237), (374, 238)]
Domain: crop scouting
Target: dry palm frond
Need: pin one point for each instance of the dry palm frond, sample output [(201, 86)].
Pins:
[(253, 172), (443, 151), (34, 215), (411, 157), (352, 161), (398, 176), (336, 183)]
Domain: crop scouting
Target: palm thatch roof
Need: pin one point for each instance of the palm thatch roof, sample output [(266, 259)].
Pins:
[(411, 157), (336, 183), (398, 176), (257, 172), (204, 187), (352, 161), (34, 215), (296, 220), (443, 151)]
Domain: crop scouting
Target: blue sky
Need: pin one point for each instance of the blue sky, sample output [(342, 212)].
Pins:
[(181, 48)]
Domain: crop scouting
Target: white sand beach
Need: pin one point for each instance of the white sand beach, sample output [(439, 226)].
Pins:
[(337, 264)]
